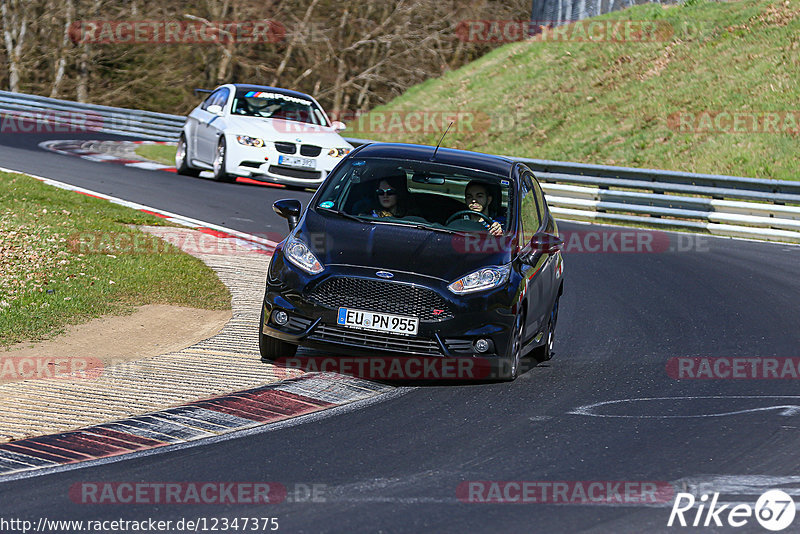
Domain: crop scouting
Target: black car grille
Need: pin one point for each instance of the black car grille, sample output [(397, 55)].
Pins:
[(375, 340), (286, 148), (380, 296), (310, 150), (295, 173)]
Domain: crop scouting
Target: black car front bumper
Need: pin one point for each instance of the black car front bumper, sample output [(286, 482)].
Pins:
[(449, 324)]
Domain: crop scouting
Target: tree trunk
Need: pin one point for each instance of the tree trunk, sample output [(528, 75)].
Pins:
[(14, 31), (82, 90), (61, 62)]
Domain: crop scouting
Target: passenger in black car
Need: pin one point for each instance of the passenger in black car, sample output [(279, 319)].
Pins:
[(392, 197)]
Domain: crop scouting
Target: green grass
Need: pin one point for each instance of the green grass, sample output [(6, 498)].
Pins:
[(612, 103), (48, 281), (160, 153)]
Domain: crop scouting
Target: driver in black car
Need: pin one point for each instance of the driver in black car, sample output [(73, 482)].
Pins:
[(478, 199)]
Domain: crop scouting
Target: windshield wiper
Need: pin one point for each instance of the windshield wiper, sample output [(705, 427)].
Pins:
[(420, 226), (345, 215), (436, 228), (369, 220)]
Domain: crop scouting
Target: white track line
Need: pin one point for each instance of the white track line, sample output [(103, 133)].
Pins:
[(174, 217)]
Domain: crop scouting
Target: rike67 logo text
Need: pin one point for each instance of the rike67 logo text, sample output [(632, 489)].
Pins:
[(774, 511)]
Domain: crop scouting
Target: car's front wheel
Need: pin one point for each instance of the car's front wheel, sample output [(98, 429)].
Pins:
[(182, 159), (220, 173), (270, 348)]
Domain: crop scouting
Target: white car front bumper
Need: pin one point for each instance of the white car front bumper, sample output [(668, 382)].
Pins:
[(268, 164)]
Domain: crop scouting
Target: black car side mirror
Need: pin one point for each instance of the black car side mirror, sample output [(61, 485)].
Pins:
[(545, 243), (289, 209)]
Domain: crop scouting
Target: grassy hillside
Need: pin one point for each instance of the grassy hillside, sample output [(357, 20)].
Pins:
[(619, 103)]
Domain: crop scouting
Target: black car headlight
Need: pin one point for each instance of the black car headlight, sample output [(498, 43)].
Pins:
[(482, 279), (299, 254)]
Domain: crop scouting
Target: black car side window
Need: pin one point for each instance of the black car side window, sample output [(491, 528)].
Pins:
[(540, 202), (530, 213), (527, 184)]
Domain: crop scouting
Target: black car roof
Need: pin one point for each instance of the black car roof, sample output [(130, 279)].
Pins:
[(288, 92), (450, 156)]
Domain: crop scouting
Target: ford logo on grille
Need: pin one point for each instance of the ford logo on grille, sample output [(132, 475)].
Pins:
[(384, 274)]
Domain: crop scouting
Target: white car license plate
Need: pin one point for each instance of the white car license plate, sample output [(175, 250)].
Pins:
[(379, 322), (294, 161)]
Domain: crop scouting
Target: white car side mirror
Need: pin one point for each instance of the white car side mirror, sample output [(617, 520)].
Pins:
[(216, 109), (338, 126)]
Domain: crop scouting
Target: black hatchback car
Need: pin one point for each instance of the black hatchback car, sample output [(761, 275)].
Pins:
[(411, 250)]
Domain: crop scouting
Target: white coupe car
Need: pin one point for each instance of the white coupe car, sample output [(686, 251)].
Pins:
[(263, 133)]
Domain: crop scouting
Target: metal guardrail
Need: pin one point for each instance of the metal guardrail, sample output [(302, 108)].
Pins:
[(67, 116), (731, 206), (722, 205)]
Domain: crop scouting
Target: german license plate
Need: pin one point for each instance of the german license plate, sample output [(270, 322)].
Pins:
[(379, 322), (294, 161)]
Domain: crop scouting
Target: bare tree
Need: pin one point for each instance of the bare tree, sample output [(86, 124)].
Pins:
[(61, 60), (347, 55), (15, 27)]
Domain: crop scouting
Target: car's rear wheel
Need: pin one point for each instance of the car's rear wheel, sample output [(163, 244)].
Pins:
[(514, 359), (220, 174), (182, 159), (271, 348), (545, 352)]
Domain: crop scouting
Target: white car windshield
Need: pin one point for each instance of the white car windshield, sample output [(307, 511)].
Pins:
[(273, 105)]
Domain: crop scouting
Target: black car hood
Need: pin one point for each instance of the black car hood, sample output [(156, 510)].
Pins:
[(336, 240)]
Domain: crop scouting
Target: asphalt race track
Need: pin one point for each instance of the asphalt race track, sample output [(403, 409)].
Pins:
[(244, 207), (396, 465)]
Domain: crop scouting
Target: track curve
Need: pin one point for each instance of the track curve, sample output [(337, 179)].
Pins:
[(396, 465)]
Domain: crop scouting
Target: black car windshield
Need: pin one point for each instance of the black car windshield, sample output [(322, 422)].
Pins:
[(419, 193), (272, 105)]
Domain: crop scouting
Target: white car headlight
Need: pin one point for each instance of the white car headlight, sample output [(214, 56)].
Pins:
[(250, 141), (338, 152), (481, 280), (298, 253)]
